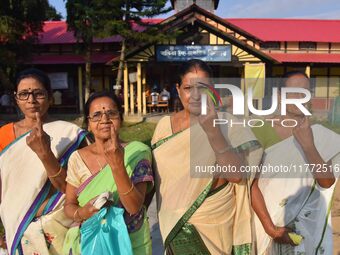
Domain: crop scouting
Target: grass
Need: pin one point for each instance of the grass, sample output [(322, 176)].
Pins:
[(137, 132)]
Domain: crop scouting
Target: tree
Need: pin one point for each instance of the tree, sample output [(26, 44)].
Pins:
[(20, 23), (52, 14), (87, 19), (134, 11), (101, 18)]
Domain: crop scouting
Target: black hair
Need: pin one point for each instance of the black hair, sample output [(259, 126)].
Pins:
[(290, 74), (101, 94), (287, 75), (191, 65), (38, 75)]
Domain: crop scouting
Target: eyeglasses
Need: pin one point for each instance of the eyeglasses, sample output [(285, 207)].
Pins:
[(36, 93), (110, 114)]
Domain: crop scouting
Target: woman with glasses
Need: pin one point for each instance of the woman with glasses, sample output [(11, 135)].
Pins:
[(33, 159), (108, 165)]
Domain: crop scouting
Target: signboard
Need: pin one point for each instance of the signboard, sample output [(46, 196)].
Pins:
[(58, 80), (181, 53)]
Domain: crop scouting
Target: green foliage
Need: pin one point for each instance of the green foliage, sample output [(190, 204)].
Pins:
[(52, 14), (102, 18), (20, 23)]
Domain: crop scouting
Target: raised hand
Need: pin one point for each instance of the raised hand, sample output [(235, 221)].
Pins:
[(303, 134), (38, 140), (114, 152)]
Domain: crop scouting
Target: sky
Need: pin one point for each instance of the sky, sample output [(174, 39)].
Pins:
[(304, 9)]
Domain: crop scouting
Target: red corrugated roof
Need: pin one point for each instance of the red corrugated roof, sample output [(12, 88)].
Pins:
[(98, 58), (55, 32), (291, 30), (306, 57)]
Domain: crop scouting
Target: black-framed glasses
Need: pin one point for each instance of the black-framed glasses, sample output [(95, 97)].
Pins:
[(110, 114), (36, 93)]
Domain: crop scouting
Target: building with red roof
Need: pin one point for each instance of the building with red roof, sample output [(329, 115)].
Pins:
[(280, 45)]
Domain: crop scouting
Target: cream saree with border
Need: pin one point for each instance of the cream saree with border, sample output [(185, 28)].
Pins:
[(217, 222), (24, 187), (299, 203)]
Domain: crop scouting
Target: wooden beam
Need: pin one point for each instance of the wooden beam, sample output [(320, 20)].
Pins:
[(80, 90), (307, 71), (132, 99), (144, 89), (126, 90), (139, 88)]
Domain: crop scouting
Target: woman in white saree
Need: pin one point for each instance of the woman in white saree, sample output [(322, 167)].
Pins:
[(298, 203), (33, 156)]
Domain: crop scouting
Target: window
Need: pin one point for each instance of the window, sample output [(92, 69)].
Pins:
[(307, 46), (54, 48), (67, 48), (270, 45)]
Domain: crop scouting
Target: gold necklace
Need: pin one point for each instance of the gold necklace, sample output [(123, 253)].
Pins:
[(100, 166)]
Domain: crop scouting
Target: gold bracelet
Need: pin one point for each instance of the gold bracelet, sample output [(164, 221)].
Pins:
[(125, 193), (74, 215), (57, 174)]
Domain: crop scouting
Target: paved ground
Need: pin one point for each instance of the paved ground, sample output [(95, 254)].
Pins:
[(157, 247)]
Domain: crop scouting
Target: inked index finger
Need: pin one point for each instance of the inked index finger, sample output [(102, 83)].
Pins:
[(113, 132), (39, 124)]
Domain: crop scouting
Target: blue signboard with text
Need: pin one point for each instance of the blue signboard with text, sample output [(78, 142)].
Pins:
[(180, 53)]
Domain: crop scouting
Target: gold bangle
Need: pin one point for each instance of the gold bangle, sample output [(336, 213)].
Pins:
[(57, 174), (74, 215), (125, 193)]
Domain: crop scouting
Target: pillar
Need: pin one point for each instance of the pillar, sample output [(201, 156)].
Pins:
[(307, 71), (80, 90), (132, 99), (126, 90), (139, 88), (144, 90)]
